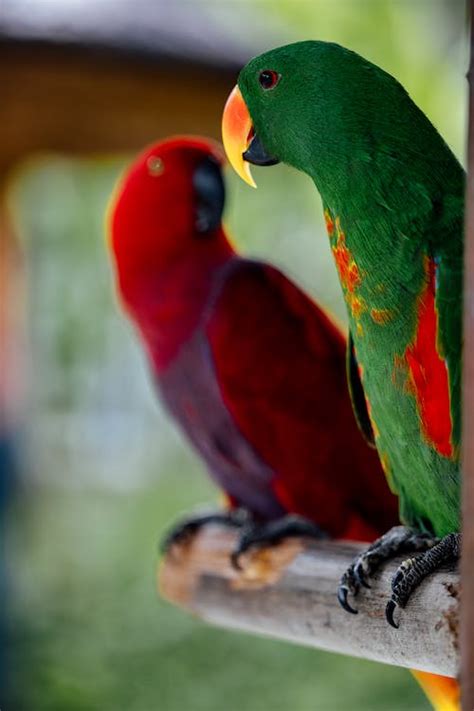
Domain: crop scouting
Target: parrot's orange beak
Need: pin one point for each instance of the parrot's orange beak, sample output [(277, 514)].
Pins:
[(241, 142), (237, 133)]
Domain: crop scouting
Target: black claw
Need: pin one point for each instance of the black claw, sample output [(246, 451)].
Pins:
[(174, 538), (397, 578), (235, 560), (241, 548), (185, 529), (389, 610), (257, 535), (342, 593), (360, 576)]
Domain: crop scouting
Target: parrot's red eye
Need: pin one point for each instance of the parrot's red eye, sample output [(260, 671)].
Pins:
[(268, 79)]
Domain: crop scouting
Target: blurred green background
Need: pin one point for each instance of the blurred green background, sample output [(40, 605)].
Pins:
[(106, 472)]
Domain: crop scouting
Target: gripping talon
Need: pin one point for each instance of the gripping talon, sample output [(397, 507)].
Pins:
[(399, 539), (270, 533), (184, 530), (176, 537), (360, 576), (413, 571), (389, 610), (235, 560), (243, 545), (399, 575), (342, 593)]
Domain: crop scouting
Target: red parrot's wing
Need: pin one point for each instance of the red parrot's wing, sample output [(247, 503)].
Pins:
[(280, 365)]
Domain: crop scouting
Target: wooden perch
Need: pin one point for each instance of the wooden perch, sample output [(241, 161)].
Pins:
[(289, 592)]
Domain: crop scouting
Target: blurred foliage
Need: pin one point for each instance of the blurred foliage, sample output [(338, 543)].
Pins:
[(107, 470)]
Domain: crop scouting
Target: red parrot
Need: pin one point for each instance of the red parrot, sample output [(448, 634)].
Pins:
[(251, 369)]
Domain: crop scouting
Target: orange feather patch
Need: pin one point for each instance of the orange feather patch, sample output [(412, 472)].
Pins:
[(429, 377), (329, 222), (348, 270)]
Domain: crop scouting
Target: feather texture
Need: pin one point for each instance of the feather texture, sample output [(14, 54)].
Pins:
[(393, 198), (251, 369)]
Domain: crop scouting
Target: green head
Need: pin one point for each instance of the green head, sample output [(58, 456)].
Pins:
[(330, 113)]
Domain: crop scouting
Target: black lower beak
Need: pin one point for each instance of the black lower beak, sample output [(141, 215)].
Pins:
[(210, 195), (257, 154)]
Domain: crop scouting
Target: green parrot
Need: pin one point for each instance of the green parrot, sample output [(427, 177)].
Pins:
[(393, 197)]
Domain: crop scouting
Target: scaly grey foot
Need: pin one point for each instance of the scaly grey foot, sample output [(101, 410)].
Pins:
[(273, 532), (414, 570), (399, 539), (188, 526)]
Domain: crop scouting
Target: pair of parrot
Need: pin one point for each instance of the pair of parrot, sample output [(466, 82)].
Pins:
[(254, 371)]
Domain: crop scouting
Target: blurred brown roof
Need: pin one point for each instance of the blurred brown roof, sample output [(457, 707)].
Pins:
[(185, 30), (82, 76)]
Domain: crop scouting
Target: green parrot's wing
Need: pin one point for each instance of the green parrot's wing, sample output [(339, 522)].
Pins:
[(356, 391)]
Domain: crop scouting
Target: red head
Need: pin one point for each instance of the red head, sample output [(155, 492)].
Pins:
[(166, 231)]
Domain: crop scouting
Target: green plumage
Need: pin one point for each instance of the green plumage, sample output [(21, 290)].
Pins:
[(393, 196)]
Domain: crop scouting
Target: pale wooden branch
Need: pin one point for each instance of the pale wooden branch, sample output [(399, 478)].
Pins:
[(289, 592)]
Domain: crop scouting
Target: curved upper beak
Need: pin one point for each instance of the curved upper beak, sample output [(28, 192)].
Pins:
[(237, 133), (241, 143)]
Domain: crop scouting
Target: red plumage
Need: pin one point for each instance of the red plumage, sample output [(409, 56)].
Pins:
[(250, 367)]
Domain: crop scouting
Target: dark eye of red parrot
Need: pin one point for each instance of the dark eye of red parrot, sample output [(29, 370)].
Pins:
[(268, 79)]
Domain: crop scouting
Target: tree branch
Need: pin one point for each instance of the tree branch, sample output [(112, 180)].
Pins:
[(289, 592), (467, 560)]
